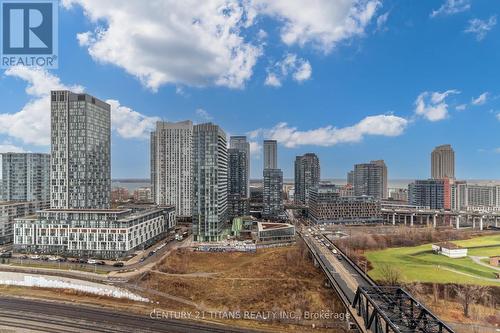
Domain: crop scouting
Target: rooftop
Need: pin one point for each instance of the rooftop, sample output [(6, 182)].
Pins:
[(449, 245)]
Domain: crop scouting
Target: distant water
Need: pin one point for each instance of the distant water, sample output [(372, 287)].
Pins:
[(131, 185), (403, 183)]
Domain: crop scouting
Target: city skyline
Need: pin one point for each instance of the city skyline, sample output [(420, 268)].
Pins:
[(302, 91)]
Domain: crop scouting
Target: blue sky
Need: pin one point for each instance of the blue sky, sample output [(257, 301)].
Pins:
[(350, 80)]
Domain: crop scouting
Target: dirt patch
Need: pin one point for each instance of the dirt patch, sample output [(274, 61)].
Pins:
[(275, 280)]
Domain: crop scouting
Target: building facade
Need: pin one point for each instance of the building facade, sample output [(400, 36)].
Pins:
[(443, 162), (270, 154), (432, 193), (10, 210), (107, 234), (272, 194), (240, 142), (327, 206), (171, 165), (237, 199), (80, 151), (307, 176), (465, 196), (24, 177), (209, 179), (370, 179)]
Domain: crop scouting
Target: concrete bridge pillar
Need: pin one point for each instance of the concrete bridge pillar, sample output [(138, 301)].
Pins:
[(496, 222), (428, 220), (405, 220), (394, 219), (434, 220), (481, 223), (421, 219), (457, 221), (411, 219), (473, 222)]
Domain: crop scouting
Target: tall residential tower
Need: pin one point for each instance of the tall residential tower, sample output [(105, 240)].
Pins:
[(272, 193), (237, 198), (24, 177), (443, 162), (171, 158), (81, 151), (270, 154), (370, 179), (307, 176), (209, 178), (240, 142)]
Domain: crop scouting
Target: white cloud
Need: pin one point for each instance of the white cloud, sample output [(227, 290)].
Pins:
[(451, 7), (190, 42), (272, 80), (432, 105), (322, 23), (461, 107), (203, 114), (481, 99), (255, 149), (481, 28), (130, 124), (303, 72), (299, 68), (31, 125), (498, 116), (382, 21), (381, 125), (203, 43), (9, 148)]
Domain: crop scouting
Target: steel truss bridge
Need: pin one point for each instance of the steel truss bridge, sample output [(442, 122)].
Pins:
[(371, 308), (392, 309)]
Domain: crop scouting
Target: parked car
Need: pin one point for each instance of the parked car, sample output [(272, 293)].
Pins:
[(35, 257), (118, 264), (53, 259), (23, 257), (44, 258), (100, 262), (92, 261)]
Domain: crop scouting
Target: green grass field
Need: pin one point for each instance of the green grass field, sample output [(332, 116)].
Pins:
[(479, 241), (420, 264)]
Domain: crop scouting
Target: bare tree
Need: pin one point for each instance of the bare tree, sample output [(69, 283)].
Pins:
[(390, 275), (469, 294)]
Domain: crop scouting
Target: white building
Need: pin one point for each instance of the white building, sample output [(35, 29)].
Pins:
[(465, 196), (10, 210), (171, 165), (81, 151), (109, 233), (450, 250)]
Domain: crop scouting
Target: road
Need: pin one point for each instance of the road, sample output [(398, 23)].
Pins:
[(26, 315)]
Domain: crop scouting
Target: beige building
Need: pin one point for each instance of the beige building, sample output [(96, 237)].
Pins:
[(443, 162)]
